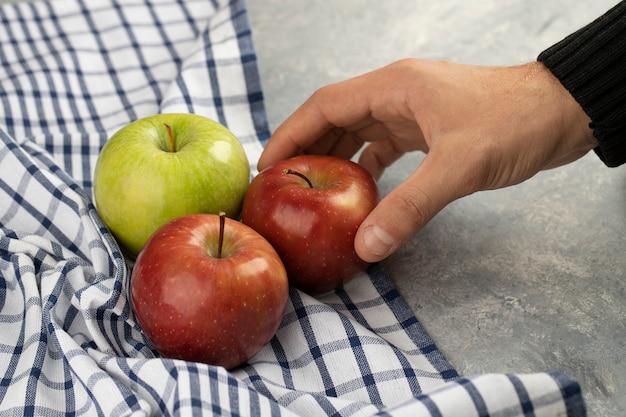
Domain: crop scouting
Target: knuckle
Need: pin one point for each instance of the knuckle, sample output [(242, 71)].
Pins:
[(415, 206)]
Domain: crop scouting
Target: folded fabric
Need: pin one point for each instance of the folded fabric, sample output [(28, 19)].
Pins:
[(74, 72)]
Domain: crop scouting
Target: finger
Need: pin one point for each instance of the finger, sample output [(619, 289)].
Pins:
[(407, 209), (324, 144), (344, 104), (295, 134), (352, 138), (338, 142), (378, 156)]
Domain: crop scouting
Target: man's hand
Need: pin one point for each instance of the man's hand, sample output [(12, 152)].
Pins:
[(481, 127)]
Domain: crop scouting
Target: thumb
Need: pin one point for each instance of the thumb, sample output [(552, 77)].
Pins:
[(406, 210)]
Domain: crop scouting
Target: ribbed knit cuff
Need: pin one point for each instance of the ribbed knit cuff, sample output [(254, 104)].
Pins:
[(591, 65)]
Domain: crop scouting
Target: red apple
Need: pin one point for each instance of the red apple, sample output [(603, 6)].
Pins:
[(208, 289), (309, 208)]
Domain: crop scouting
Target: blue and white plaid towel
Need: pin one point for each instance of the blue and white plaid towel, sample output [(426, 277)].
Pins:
[(72, 72)]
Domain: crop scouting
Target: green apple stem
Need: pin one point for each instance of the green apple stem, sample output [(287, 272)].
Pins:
[(170, 135), (299, 174), (220, 242)]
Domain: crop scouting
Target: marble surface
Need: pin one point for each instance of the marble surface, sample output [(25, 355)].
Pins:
[(524, 279)]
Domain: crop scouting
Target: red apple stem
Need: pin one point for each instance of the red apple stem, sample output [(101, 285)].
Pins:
[(296, 173), (220, 242), (170, 135)]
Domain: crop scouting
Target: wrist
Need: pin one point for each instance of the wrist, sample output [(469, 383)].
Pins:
[(575, 123), (589, 64)]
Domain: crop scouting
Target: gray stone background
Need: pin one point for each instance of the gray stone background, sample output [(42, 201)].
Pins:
[(524, 279)]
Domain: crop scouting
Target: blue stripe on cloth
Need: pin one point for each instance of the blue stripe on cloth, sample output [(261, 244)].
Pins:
[(143, 66), (369, 378), (304, 315), (8, 48), (476, 397), (105, 56), (409, 322), (251, 73), (571, 393), (69, 72), (211, 67), (525, 401)]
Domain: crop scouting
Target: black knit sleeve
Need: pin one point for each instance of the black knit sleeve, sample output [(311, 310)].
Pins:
[(591, 65)]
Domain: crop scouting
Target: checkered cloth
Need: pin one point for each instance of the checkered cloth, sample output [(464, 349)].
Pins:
[(72, 73)]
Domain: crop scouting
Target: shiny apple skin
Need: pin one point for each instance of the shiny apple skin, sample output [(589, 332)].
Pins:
[(312, 229), (194, 306), (140, 183)]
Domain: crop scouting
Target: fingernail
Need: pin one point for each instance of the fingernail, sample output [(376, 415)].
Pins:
[(377, 241)]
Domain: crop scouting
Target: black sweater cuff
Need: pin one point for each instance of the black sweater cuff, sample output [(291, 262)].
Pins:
[(591, 65)]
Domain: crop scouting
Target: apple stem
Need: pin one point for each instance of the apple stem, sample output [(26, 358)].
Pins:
[(170, 135), (220, 242), (296, 173)]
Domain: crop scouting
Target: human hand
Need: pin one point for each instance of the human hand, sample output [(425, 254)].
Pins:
[(481, 127)]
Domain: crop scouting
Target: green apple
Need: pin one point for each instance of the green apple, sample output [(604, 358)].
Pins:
[(161, 167)]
